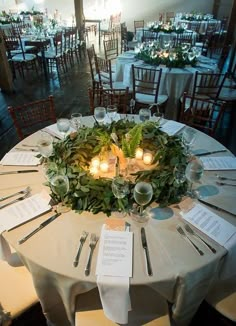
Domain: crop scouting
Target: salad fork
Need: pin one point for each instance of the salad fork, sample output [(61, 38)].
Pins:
[(192, 232), (15, 200), (220, 177), (182, 233), (225, 184), (92, 245), (82, 241), (24, 191)]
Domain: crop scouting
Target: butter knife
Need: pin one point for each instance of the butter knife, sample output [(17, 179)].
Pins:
[(19, 171), (215, 207), (40, 227), (145, 247), (27, 149), (212, 152)]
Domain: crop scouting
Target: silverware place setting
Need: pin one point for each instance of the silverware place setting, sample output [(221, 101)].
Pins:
[(192, 232), (221, 177), (186, 238), (82, 241), (225, 184), (92, 244), (21, 192), (26, 194)]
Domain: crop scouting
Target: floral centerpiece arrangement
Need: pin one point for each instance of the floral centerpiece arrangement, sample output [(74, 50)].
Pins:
[(165, 28), (194, 16), (8, 18), (177, 57), (89, 191)]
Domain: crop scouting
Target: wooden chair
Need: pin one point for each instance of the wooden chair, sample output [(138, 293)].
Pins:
[(105, 97), (138, 24), (92, 65), (148, 309), (17, 293), (170, 15), (185, 37), (111, 49), (146, 83), (149, 36), (33, 116), (201, 113)]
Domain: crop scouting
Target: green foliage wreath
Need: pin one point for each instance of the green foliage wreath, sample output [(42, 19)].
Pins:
[(73, 155)]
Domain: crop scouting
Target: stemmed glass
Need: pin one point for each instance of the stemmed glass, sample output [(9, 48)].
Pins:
[(158, 116), (60, 186), (76, 120), (144, 114), (193, 173), (143, 193), (120, 188), (189, 137), (45, 144), (111, 112), (100, 114), (63, 125)]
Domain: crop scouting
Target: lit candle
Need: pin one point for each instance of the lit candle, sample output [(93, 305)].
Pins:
[(104, 166), (95, 161), (147, 158), (94, 170), (139, 153)]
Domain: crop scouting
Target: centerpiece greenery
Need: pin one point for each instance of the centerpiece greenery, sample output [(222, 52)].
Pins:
[(166, 28), (72, 157), (153, 54)]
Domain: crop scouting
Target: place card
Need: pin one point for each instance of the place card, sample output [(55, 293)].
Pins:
[(115, 253), (172, 127), (20, 158), (210, 223), (24, 210), (219, 163)]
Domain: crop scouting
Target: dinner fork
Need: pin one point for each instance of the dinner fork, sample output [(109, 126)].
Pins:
[(24, 191), (191, 231), (220, 177), (225, 184), (182, 233), (82, 241), (15, 200), (92, 245)]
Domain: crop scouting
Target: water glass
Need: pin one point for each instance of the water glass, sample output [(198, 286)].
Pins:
[(111, 112), (144, 114), (76, 120), (60, 186), (63, 125), (188, 137), (45, 144), (143, 193), (120, 187), (193, 173), (100, 114), (158, 117)]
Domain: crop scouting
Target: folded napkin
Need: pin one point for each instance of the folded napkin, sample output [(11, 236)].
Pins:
[(53, 131), (113, 290)]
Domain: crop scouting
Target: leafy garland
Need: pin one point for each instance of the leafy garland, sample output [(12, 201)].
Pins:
[(166, 29), (73, 155), (152, 55)]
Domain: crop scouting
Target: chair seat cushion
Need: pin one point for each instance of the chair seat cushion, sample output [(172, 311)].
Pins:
[(227, 94), (27, 57), (150, 99)]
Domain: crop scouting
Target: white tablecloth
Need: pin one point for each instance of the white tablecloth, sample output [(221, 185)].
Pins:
[(180, 274)]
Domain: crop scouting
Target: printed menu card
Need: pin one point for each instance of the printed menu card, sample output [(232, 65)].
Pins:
[(219, 163), (172, 127), (20, 158), (210, 223)]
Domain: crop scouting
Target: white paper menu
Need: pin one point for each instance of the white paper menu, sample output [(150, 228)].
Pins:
[(210, 223), (219, 163), (115, 253), (23, 211), (20, 158), (172, 127)]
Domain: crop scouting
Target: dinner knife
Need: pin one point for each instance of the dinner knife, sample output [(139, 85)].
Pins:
[(40, 227), (212, 152), (145, 247), (215, 207), (19, 171)]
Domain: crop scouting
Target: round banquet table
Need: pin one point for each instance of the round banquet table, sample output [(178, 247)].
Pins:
[(174, 81), (180, 274)]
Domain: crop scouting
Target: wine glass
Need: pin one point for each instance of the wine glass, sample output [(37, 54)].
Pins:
[(120, 187), (144, 114), (188, 137), (191, 55), (111, 112), (100, 114), (45, 144), (63, 125), (76, 120), (60, 186), (158, 116), (193, 173), (143, 193)]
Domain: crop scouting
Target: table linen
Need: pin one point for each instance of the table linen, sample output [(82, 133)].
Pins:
[(180, 274)]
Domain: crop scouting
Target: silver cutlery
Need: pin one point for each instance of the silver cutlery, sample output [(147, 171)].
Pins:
[(220, 177), (92, 245), (192, 232), (26, 149), (27, 145), (212, 152), (38, 228), (82, 241), (225, 184), (183, 234), (15, 200), (214, 206), (21, 192), (145, 247), (19, 171)]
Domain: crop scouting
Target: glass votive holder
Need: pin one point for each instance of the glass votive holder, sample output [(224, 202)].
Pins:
[(147, 158)]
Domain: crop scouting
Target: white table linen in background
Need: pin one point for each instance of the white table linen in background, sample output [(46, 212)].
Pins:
[(180, 274)]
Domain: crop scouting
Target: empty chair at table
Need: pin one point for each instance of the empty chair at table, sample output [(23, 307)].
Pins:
[(33, 116), (111, 49), (185, 37), (149, 36), (92, 65), (201, 113), (146, 85), (108, 96), (138, 24)]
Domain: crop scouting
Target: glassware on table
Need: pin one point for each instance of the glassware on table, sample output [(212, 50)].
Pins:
[(144, 114), (188, 137), (120, 187), (76, 120), (100, 114), (143, 193), (158, 116), (111, 112), (60, 186), (191, 55), (63, 125), (45, 144), (193, 173)]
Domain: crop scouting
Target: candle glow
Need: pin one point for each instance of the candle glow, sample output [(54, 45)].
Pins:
[(104, 166), (147, 158), (139, 153), (95, 162)]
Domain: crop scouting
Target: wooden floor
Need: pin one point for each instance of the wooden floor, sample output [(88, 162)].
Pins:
[(70, 92)]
